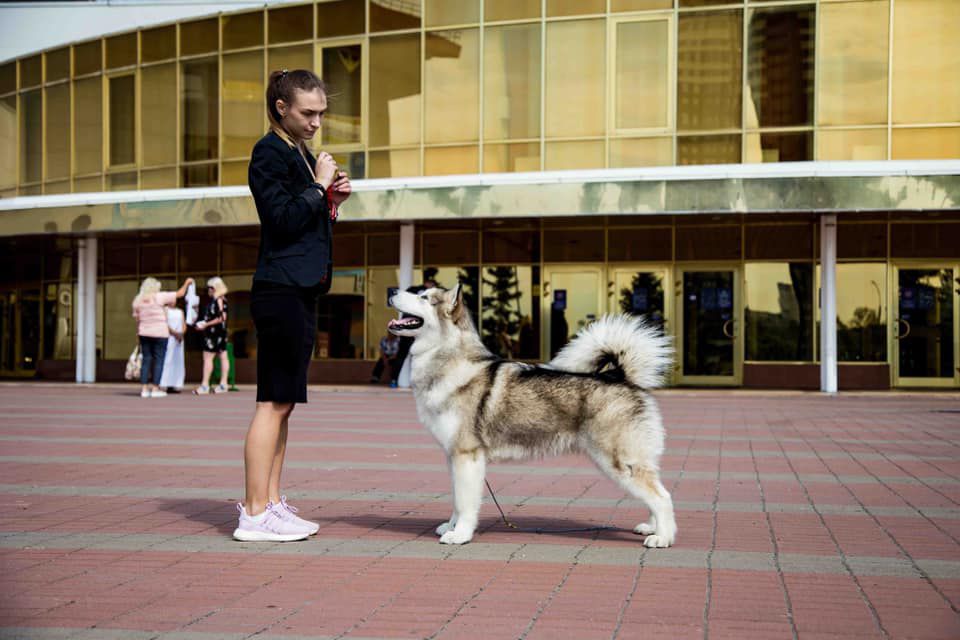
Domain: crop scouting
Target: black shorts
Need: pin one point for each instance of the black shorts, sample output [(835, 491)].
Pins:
[(286, 322)]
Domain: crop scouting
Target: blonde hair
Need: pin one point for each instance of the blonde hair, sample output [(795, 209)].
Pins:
[(218, 285), (148, 287)]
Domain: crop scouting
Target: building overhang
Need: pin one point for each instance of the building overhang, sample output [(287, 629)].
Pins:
[(802, 187)]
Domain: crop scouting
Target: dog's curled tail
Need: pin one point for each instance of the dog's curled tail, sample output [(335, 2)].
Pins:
[(626, 343)]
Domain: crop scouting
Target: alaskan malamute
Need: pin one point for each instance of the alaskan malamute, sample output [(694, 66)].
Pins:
[(592, 397)]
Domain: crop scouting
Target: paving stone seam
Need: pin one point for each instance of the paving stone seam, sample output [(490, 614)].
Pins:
[(714, 528), (531, 469), (871, 607), (230, 495), (429, 446)]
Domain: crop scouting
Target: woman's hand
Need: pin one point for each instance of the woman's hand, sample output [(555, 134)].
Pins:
[(340, 190), (325, 169), (200, 325)]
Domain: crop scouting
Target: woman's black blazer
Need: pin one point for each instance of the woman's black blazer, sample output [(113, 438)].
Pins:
[(296, 233)]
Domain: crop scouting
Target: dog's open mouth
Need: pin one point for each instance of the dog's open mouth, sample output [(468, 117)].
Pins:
[(406, 322)]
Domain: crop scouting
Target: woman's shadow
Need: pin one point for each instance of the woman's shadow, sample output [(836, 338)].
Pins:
[(219, 514)]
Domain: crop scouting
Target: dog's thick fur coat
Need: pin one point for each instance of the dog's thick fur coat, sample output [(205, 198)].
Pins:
[(593, 397)]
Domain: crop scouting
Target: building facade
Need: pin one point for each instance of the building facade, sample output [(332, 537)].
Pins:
[(709, 164)]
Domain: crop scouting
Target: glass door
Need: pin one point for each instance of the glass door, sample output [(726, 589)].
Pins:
[(925, 328), (641, 291), (572, 299), (19, 332), (709, 349)]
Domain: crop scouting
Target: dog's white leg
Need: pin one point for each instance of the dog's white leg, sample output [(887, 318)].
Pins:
[(452, 522), (468, 473), (661, 530)]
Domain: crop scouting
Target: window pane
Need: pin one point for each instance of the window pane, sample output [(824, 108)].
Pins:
[(853, 63), (506, 158), (200, 36), (122, 50), (88, 185), (511, 82), (204, 175), (510, 326), (122, 181), (290, 24), (573, 245), (8, 141), (574, 155), (920, 144), (866, 240), (926, 61), (158, 88), (158, 44), (341, 70), (199, 90), (510, 9), (642, 75), (460, 247), (243, 119), (340, 18), (708, 149), (58, 65), (779, 147), (243, 30), (444, 12), (708, 243), (451, 160), (647, 244), (31, 140), (780, 67), (389, 15), (353, 163), (159, 179), (639, 5), (120, 329), (779, 311), (290, 58), (86, 59), (926, 240), (576, 62), (574, 7), (394, 164), (31, 71), (58, 136), (394, 90), (709, 74), (452, 99), (852, 144), (701, 3), (861, 312), (234, 173), (520, 245), (122, 137), (641, 152), (778, 242), (8, 77)]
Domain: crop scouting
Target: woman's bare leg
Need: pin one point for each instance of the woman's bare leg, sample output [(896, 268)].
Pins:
[(277, 468), (260, 451), (207, 368), (224, 368)]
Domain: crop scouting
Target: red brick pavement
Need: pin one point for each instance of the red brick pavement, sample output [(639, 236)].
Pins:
[(800, 516)]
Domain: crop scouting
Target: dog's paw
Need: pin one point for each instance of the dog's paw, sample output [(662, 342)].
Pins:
[(657, 542), (644, 528), (443, 528), (455, 537)]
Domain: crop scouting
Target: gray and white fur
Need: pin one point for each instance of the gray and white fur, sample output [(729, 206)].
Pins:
[(593, 397)]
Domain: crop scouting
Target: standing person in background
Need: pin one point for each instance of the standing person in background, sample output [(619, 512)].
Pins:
[(389, 347), (152, 330), (174, 370), (213, 324), (297, 197)]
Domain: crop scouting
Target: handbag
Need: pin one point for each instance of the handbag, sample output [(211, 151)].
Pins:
[(134, 363)]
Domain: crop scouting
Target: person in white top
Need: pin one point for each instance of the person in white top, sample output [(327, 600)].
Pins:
[(173, 367)]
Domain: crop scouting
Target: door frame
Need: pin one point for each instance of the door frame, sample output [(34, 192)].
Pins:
[(893, 327), (546, 296), (736, 379)]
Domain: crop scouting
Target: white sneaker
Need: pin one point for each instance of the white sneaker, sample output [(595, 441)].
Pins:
[(158, 393), (201, 391), (269, 526), (220, 388), (144, 393), (291, 515)]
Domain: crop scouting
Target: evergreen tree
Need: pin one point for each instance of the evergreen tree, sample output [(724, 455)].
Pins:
[(501, 318), (650, 285)]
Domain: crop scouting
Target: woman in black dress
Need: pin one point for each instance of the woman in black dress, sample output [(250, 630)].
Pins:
[(213, 324), (297, 197)]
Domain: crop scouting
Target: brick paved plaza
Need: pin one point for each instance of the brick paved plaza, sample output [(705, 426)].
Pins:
[(800, 516)]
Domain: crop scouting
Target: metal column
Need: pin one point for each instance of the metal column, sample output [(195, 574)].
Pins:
[(86, 309), (406, 281), (828, 303)]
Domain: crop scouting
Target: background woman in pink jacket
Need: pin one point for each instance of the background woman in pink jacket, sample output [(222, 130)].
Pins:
[(153, 331)]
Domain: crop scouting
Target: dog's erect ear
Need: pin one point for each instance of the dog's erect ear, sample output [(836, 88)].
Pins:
[(454, 300)]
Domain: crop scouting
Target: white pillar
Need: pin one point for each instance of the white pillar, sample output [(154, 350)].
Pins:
[(86, 309), (405, 281), (828, 303)]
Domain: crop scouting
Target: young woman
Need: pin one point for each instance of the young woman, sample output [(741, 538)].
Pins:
[(213, 324), (152, 330), (297, 197)]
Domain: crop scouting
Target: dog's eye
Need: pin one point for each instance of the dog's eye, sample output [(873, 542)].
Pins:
[(424, 297)]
